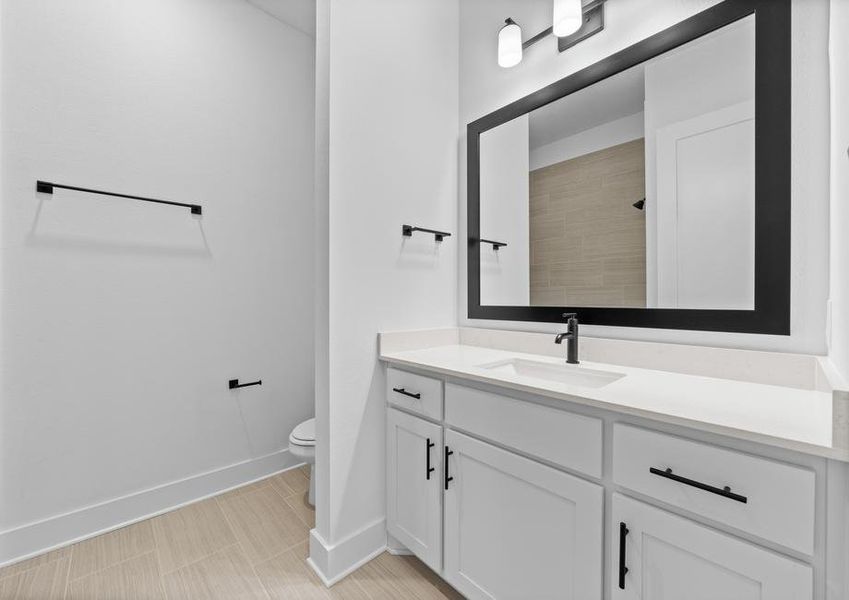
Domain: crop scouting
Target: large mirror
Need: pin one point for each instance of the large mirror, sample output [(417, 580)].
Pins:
[(634, 192)]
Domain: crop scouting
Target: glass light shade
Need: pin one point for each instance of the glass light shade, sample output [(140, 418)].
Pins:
[(509, 45), (568, 17)]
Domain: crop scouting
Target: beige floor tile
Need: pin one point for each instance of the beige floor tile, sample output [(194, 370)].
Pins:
[(225, 575), (35, 562), (288, 576), (427, 574), (290, 482), (302, 508), (191, 533), (246, 489), (292, 565), (111, 548), (134, 579), (44, 581), (263, 523), (388, 577)]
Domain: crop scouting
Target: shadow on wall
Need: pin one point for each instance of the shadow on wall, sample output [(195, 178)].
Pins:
[(88, 243), (421, 253)]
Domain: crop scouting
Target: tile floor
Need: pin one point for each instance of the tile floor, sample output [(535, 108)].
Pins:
[(249, 543)]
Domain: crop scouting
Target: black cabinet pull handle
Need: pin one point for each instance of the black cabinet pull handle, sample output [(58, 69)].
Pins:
[(445, 467), (429, 469), (406, 393), (725, 492), (234, 384), (623, 570)]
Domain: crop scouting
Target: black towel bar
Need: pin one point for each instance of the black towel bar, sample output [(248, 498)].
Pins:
[(495, 245), (407, 231), (46, 187)]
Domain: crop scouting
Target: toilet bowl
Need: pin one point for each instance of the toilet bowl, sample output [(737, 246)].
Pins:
[(302, 446)]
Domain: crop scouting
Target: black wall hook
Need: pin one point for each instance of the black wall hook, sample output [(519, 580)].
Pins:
[(234, 384), (407, 231)]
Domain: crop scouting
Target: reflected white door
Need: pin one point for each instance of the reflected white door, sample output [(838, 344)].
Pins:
[(414, 491), (516, 529), (705, 211), (672, 558)]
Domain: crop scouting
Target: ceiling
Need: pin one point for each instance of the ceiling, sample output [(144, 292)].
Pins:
[(619, 96), (300, 14)]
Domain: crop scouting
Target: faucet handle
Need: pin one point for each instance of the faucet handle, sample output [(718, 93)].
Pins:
[(570, 315)]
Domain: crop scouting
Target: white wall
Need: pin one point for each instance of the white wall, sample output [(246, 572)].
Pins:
[(618, 131), (505, 214), (392, 115), (122, 321), (839, 56), (485, 87)]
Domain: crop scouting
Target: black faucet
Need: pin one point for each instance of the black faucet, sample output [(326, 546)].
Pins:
[(571, 336)]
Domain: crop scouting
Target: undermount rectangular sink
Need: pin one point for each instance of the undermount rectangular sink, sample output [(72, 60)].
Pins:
[(568, 374)]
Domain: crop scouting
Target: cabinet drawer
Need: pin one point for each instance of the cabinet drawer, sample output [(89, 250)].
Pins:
[(564, 438), (772, 500), (415, 393)]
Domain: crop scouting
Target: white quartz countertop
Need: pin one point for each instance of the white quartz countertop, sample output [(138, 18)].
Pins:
[(796, 419)]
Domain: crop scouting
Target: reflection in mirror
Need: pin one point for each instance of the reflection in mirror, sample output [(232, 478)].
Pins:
[(637, 191)]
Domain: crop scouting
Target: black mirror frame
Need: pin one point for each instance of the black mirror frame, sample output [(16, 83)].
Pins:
[(771, 314)]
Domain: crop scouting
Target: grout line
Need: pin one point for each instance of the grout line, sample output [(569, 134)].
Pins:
[(134, 556), (24, 570), (68, 573), (253, 570), (244, 554), (205, 556), (99, 571)]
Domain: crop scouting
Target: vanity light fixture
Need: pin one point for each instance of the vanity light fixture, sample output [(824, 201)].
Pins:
[(568, 17), (572, 22), (509, 44)]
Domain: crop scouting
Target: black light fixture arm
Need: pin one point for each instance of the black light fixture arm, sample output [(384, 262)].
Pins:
[(46, 187), (408, 230), (586, 8)]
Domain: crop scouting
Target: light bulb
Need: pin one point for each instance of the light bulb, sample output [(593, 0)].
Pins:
[(510, 45), (568, 17)]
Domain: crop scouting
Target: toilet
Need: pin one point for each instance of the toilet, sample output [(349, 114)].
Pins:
[(302, 446)]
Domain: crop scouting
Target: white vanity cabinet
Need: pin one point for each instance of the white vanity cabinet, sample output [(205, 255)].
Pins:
[(414, 485), (661, 556), (515, 528), (510, 496)]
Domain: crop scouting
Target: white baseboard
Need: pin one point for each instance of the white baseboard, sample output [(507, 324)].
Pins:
[(334, 562), (36, 538)]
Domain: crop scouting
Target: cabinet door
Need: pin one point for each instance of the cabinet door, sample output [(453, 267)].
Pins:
[(515, 528), (668, 557), (414, 485)]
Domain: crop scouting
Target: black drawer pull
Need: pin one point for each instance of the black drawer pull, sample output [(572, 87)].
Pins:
[(406, 393), (429, 469), (725, 492), (623, 570), (445, 466)]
